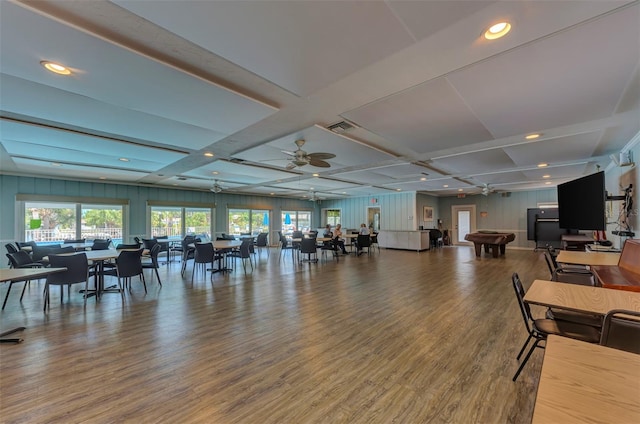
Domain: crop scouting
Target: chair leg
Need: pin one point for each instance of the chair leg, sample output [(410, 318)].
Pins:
[(526, 358), (144, 283), (26, 283), (157, 275), (524, 346)]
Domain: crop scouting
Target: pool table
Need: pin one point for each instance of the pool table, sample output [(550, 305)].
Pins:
[(492, 239)]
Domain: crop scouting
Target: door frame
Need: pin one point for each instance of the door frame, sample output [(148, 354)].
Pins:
[(454, 222), (379, 210)]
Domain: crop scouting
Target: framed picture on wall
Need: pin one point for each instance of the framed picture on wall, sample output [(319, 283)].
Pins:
[(427, 213)]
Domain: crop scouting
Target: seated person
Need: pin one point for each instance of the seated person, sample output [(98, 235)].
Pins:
[(327, 231), (363, 231), (337, 239)]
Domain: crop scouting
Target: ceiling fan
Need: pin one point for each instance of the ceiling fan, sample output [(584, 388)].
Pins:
[(302, 158), (314, 197), (487, 189), (216, 188)]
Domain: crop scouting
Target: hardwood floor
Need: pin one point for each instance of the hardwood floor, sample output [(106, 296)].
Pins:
[(395, 337)]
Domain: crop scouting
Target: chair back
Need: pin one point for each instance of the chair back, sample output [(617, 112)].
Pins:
[(583, 277), (77, 269), (129, 263), (549, 260), (364, 240), (21, 259), (101, 244), (308, 245), (149, 243), (621, 330), (204, 253), (553, 255), (69, 241), (245, 248), (524, 307), (434, 234), (283, 241), (25, 243), (39, 252), (261, 241), (10, 248), (296, 234), (122, 246), (154, 255), (60, 250)]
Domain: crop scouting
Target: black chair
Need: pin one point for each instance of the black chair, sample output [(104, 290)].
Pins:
[(165, 246), (309, 247), (621, 330), (364, 241), (188, 251), (19, 259), (204, 256), (123, 246), (581, 276), (77, 272), (284, 246), (329, 246), (22, 244), (153, 264), (38, 252), (101, 244), (263, 242), (129, 264), (69, 241), (243, 253), (10, 249), (374, 241), (435, 238), (540, 329)]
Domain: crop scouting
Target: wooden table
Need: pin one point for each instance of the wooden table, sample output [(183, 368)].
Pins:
[(587, 383), (574, 297), (495, 241), (21, 274), (588, 258)]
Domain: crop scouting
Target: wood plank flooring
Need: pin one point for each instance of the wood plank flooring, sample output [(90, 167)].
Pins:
[(394, 337)]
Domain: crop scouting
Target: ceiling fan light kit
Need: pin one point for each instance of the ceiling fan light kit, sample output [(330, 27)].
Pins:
[(301, 158)]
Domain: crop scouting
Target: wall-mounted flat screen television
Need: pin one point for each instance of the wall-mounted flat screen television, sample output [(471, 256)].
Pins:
[(581, 203)]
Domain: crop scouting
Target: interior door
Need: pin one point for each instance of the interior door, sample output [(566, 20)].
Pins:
[(373, 218), (464, 222)]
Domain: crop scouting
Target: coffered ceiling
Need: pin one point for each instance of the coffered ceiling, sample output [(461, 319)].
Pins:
[(432, 105)]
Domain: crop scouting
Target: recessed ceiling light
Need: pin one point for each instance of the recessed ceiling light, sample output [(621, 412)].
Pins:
[(532, 136), (423, 179), (316, 175), (55, 68), (344, 192), (56, 164), (215, 172), (102, 178), (311, 188), (497, 30), (460, 189), (542, 165), (398, 189), (208, 154), (272, 194), (548, 182), (546, 176), (304, 195), (123, 160), (446, 186)]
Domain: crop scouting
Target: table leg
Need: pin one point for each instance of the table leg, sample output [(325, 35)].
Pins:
[(478, 247), (494, 250)]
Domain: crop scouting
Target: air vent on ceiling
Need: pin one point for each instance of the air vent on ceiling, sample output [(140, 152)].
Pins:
[(340, 127)]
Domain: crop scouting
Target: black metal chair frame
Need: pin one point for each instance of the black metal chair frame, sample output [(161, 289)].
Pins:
[(153, 256), (77, 272), (19, 259), (309, 247), (621, 330)]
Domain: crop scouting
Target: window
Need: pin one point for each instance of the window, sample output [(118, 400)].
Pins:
[(251, 221), (58, 221), (197, 221), (166, 221), (331, 217), (296, 220)]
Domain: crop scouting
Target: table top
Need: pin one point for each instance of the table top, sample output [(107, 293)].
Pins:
[(595, 300), (19, 274), (576, 238), (588, 258), (225, 244), (583, 382)]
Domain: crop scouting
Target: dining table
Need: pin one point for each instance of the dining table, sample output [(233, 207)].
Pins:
[(223, 247), (586, 299), (588, 258), (22, 274), (587, 383)]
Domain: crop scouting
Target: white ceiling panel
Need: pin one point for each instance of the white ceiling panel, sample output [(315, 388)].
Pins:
[(426, 118), (118, 77), (40, 167), (316, 184), (317, 140), (476, 162), (556, 81), (315, 44), (32, 99), (562, 149), (236, 172)]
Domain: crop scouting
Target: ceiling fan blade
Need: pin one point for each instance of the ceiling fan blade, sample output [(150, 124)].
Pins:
[(319, 163), (321, 156)]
